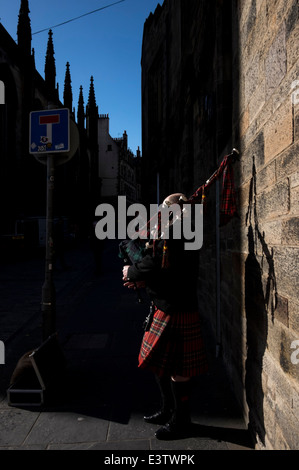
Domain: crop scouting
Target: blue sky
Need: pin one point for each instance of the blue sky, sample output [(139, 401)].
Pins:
[(106, 44)]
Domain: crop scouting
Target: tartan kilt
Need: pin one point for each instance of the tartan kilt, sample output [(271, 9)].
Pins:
[(174, 345)]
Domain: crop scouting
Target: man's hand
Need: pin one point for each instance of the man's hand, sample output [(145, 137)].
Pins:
[(125, 273), (134, 285), (128, 283)]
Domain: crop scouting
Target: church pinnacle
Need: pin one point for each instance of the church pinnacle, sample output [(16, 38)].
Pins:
[(80, 112), (67, 94), (92, 116), (92, 106), (50, 68), (24, 28)]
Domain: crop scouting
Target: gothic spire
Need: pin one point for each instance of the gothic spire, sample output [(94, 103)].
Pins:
[(50, 68), (80, 112), (92, 117), (92, 109), (67, 93), (24, 28)]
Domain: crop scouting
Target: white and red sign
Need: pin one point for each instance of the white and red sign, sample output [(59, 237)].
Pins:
[(49, 131)]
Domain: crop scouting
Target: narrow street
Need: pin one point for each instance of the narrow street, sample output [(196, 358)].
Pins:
[(104, 395)]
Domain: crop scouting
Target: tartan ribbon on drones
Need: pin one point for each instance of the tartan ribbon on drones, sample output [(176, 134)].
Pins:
[(134, 249), (228, 204)]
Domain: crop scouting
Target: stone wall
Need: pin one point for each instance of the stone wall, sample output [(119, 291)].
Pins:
[(224, 74), (266, 122)]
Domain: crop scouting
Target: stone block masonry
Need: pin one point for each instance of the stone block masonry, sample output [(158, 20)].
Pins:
[(269, 197), (218, 75)]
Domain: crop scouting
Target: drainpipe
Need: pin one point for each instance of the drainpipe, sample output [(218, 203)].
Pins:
[(158, 189), (218, 304)]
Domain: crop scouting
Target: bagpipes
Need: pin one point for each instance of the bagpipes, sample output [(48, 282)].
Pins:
[(133, 250), (228, 205)]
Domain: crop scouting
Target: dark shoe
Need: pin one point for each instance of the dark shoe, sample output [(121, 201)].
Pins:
[(161, 417), (172, 431)]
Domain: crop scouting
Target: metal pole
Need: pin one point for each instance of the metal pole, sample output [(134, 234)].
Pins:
[(158, 189), (48, 290), (218, 303)]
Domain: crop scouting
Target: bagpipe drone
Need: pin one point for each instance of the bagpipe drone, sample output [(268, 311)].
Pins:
[(133, 250)]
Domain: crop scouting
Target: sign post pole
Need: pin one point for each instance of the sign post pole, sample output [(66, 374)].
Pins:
[(53, 140), (48, 290)]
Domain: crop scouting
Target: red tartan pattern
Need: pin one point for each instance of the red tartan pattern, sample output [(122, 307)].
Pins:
[(174, 345), (228, 206)]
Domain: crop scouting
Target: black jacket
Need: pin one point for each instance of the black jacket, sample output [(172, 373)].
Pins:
[(174, 288)]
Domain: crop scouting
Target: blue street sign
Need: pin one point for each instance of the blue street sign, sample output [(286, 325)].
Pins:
[(49, 131)]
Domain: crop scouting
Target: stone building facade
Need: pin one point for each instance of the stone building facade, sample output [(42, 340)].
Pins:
[(80, 183), (266, 122), (119, 168), (23, 178), (218, 75)]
